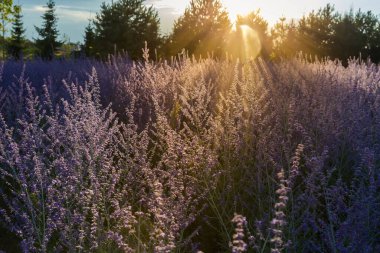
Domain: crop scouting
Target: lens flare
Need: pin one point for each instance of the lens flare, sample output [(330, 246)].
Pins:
[(244, 43), (251, 45)]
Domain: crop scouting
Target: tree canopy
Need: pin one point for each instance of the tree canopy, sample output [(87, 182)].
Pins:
[(89, 40), (48, 42), (284, 38), (357, 33), (202, 29), (5, 15), (125, 25), (327, 33), (17, 40)]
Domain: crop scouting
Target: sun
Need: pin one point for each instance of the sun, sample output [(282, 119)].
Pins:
[(237, 7)]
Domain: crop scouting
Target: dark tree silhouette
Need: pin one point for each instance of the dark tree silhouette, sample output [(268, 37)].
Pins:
[(357, 34), (316, 31), (125, 25), (17, 40), (48, 42), (202, 29), (89, 40), (327, 33), (369, 27)]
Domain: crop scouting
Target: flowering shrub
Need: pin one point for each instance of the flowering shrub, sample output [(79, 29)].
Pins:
[(190, 156)]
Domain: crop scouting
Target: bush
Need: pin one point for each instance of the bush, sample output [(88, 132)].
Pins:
[(288, 152)]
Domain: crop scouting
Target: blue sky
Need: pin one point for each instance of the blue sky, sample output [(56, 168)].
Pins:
[(74, 14)]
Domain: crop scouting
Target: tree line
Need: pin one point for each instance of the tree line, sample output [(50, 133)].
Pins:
[(204, 29), (47, 43)]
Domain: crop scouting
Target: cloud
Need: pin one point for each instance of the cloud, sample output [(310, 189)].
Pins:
[(75, 14), (154, 2), (63, 12), (174, 7), (36, 8), (168, 12)]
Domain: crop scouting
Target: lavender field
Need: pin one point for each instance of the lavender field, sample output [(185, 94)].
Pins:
[(189, 156)]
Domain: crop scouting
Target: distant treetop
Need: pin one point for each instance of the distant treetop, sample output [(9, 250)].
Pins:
[(48, 42)]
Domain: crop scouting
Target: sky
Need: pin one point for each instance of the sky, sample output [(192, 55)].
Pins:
[(74, 15)]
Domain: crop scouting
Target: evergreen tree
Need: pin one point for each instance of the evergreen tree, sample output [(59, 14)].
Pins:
[(17, 40), (89, 40), (203, 29), (316, 31), (48, 43), (279, 33), (284, 37), (125, 25), (357, 34)]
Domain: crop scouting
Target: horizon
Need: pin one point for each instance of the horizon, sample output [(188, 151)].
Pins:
[(73, 16)]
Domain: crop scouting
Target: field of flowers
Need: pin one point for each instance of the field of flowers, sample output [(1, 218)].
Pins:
[(189, 156)]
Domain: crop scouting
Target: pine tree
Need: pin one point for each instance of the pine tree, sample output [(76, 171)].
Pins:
[(125, 25), (48, 43), (202, 29), (316, 31), (89, 40), (285, 38), (16, 44)]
